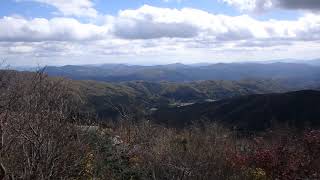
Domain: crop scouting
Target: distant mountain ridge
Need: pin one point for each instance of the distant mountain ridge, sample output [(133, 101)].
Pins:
[(288, 72), (141, 96), (252, 105)]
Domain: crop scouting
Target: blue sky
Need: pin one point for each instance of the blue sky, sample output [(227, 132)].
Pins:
[(58, 32), (34, 9)]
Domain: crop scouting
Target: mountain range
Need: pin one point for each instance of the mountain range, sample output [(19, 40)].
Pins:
[(287, 72), (251, 96)]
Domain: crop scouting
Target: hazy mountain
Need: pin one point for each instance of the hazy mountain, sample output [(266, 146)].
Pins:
[(246, 104), (315, 62), (289, 73)]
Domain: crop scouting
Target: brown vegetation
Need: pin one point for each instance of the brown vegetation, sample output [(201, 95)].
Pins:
[(39, 137), (42, 137), (206, 152)]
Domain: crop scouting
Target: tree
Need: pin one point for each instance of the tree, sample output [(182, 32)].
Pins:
[(40, 136)]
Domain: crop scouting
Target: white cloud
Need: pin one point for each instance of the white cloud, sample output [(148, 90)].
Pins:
[(251, 5), (21, 49), (150, 22), (150, 33), (72, 7), (56, 29)]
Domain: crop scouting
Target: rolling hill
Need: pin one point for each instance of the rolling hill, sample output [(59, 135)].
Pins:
[(246, 104), (289, 73), (251, 113), (140, 96)]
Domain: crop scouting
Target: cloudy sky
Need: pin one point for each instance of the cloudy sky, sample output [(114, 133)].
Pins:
[(58, 32)]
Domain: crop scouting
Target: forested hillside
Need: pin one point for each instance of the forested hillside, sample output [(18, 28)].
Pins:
[(138, 97), (287, 72), (299, 110), (58, 128)]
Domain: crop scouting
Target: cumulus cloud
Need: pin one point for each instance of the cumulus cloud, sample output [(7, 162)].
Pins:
[(149, 22), (299, 4), (20, 49), (265, 43), (264, 5), (251, 5), (72, 7), (56, 29), (151, 31)]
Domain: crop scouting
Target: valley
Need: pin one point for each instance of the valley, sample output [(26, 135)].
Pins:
[(120, 126), (160, 90)]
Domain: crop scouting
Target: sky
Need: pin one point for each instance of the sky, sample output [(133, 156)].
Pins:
[(61, 32)]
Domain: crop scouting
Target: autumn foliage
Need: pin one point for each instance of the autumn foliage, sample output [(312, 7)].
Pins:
[(44, 136)]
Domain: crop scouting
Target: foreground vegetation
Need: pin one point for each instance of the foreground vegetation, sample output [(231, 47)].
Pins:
[(146, 151), (45, 135)]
